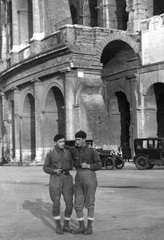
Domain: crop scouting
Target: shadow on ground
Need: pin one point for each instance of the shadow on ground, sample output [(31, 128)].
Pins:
[(41, 210)]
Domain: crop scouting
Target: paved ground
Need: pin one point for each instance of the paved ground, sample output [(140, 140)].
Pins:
[(129, 205)]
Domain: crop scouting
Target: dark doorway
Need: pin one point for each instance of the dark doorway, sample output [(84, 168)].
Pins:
[(159, 95), (124, 110), (120, 121)]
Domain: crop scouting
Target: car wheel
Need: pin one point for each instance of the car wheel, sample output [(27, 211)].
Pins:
[(119, 164), (162, 155), (142, 163), (109, 163), (150, 166)]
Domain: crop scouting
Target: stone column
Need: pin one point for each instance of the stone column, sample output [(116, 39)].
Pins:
[(38, 94), (38, 32), (1, 126), (133, 115), (15, 26), (17, 126), (138, 10), (70, 84), (38, 26)]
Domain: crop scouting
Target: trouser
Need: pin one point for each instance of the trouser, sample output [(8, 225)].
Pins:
[(85, 189), (62, 184)]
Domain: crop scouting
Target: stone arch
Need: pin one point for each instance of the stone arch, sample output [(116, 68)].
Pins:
[(46, 90), (23, 96), (53, 114), (119, 35)]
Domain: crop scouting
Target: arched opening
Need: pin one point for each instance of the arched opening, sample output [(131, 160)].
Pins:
[(93, 13), (54, 121), (119, 113), (30, 19), (115, 50), (121, 15), (74, 14), (154, 111), (28, 142), (10, 24), (120, 64), (25, 18), (159, 91), (158, 7)]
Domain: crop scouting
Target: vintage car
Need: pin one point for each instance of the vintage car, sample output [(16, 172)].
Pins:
[(108, 158), (148, 152)]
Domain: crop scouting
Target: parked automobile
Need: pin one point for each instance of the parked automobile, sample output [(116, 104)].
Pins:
[(148, 152), (110, 159)]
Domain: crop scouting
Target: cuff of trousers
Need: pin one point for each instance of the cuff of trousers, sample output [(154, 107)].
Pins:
[(56, 217), (89, 218), (80, 219), (67, 218)]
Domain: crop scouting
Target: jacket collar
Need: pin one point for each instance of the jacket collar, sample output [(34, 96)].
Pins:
[(59, 149)]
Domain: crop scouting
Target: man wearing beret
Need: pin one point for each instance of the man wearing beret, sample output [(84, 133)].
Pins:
[(86, 162), (57, 163)]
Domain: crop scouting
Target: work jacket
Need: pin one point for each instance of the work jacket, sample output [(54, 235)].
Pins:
[(58, 159), (86, 155)]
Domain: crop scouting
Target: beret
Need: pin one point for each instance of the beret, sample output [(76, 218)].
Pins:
[(58, 137), (80, 134)]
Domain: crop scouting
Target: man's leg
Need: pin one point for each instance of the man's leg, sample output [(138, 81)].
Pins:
[(79, 205), (89, 192), (55, 194), (68, 198)]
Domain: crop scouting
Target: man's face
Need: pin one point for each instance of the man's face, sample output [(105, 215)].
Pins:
[(80, 142), (61, 143)]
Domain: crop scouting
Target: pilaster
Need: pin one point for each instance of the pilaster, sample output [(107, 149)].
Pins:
[(38, 26), (15, 26), (132, 79), (70, 84), (38, 94), (17, 126), (138, 10)]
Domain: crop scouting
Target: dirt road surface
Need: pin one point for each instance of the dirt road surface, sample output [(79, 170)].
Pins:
[(129, 205)]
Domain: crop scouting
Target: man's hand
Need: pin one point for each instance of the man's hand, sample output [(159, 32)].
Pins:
[(85, 165), (58, 172)]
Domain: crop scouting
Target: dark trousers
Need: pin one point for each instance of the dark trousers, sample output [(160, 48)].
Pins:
[(85, 189), (61, 185)]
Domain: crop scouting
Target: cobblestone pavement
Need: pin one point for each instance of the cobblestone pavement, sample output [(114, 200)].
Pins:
[(129, 205)]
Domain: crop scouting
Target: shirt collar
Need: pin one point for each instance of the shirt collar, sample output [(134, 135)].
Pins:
[(85, 146), (59, 149)]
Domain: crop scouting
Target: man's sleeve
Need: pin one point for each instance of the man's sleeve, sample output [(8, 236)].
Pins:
[(97, 164), (47, 165)]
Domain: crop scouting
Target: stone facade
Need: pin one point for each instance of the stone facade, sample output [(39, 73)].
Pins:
[(69, 65)]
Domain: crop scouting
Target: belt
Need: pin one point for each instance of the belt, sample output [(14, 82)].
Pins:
[(83, 169), (66, 172)]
